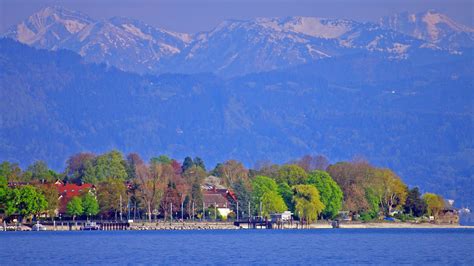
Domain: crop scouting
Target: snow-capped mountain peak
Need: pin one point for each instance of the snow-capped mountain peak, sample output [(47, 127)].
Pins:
[(49, 26), (433, 27)]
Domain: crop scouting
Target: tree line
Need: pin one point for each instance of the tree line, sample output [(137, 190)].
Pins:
[(310, 187)]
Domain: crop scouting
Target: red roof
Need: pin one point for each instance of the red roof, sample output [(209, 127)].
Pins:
[(73, 190), (220, 197), (68, 191)]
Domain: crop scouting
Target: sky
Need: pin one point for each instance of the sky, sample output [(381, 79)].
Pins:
[(200, 15)]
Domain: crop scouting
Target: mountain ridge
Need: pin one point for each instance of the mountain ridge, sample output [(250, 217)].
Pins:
[(235, 47)]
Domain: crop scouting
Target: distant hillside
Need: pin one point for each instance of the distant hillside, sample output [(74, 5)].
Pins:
[(414, 116)]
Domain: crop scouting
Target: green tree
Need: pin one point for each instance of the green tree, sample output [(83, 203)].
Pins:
[(3, 192), (272, 202), (11, 171), (188, 163), (90, 205), (25, 201), (194, 176), (265, 190), (110, 193), (110, 164), (262, 184), (388, 187), (287, 194), (329, 190), (434, 204), (414, 204), (308, 205), (373, 201), (199, 163), (77, 165), (74, 207), (40, 172), (52, 198), (164, 159), (291, 174)]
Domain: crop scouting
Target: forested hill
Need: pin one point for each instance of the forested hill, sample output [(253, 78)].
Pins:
[(412, 115)]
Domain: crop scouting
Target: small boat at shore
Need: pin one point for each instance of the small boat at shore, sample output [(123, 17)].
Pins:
[(38, 227), (90, 226)]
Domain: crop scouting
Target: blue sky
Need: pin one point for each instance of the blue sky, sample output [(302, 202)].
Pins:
[(200, 15)]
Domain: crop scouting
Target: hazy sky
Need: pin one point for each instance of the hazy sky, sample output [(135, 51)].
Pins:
[(200, 15)]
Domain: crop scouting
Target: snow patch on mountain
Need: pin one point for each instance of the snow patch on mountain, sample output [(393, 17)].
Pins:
[(136, 31), (320, 28)]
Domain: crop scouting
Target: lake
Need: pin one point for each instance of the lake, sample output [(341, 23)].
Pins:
[(289, 247)]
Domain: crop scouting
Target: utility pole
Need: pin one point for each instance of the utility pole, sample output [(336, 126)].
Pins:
[(193, 211), (260, 208), (182, 212), (249, 210)]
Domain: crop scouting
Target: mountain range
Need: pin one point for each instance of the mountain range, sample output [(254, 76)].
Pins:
[(398, 92), (238, 47)]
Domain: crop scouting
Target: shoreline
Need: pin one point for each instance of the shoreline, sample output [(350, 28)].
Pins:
[(230, 226)]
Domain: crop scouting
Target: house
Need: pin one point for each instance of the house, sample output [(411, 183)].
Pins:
[(68, 191), (449, 214), (220, 198)]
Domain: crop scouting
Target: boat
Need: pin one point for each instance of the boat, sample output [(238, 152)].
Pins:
[(38, 227), (89, 226)]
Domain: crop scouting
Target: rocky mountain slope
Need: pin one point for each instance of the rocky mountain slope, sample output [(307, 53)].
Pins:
[(239, 47)]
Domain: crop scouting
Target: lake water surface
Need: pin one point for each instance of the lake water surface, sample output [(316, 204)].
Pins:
[(289, 247)]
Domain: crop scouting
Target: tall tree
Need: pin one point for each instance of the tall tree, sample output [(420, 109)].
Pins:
[(389, 188), (111, 194), (292, 174), (25, 201), (434, 204), (265, 191), (287, 194), (51, 196), (194, 177), (77, 165), (199, 163), (133, 159), (308, 205), (351, 178), (74, 207), (152, 181), (90, 205), (3, 192), (272, 202), (187, 163), (108, 165), (330, 192), (164, 159), (231, 172), (11, 171), (414, 204), (40, 172)]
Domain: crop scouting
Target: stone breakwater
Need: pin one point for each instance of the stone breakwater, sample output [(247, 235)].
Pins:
[(183, 226)]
